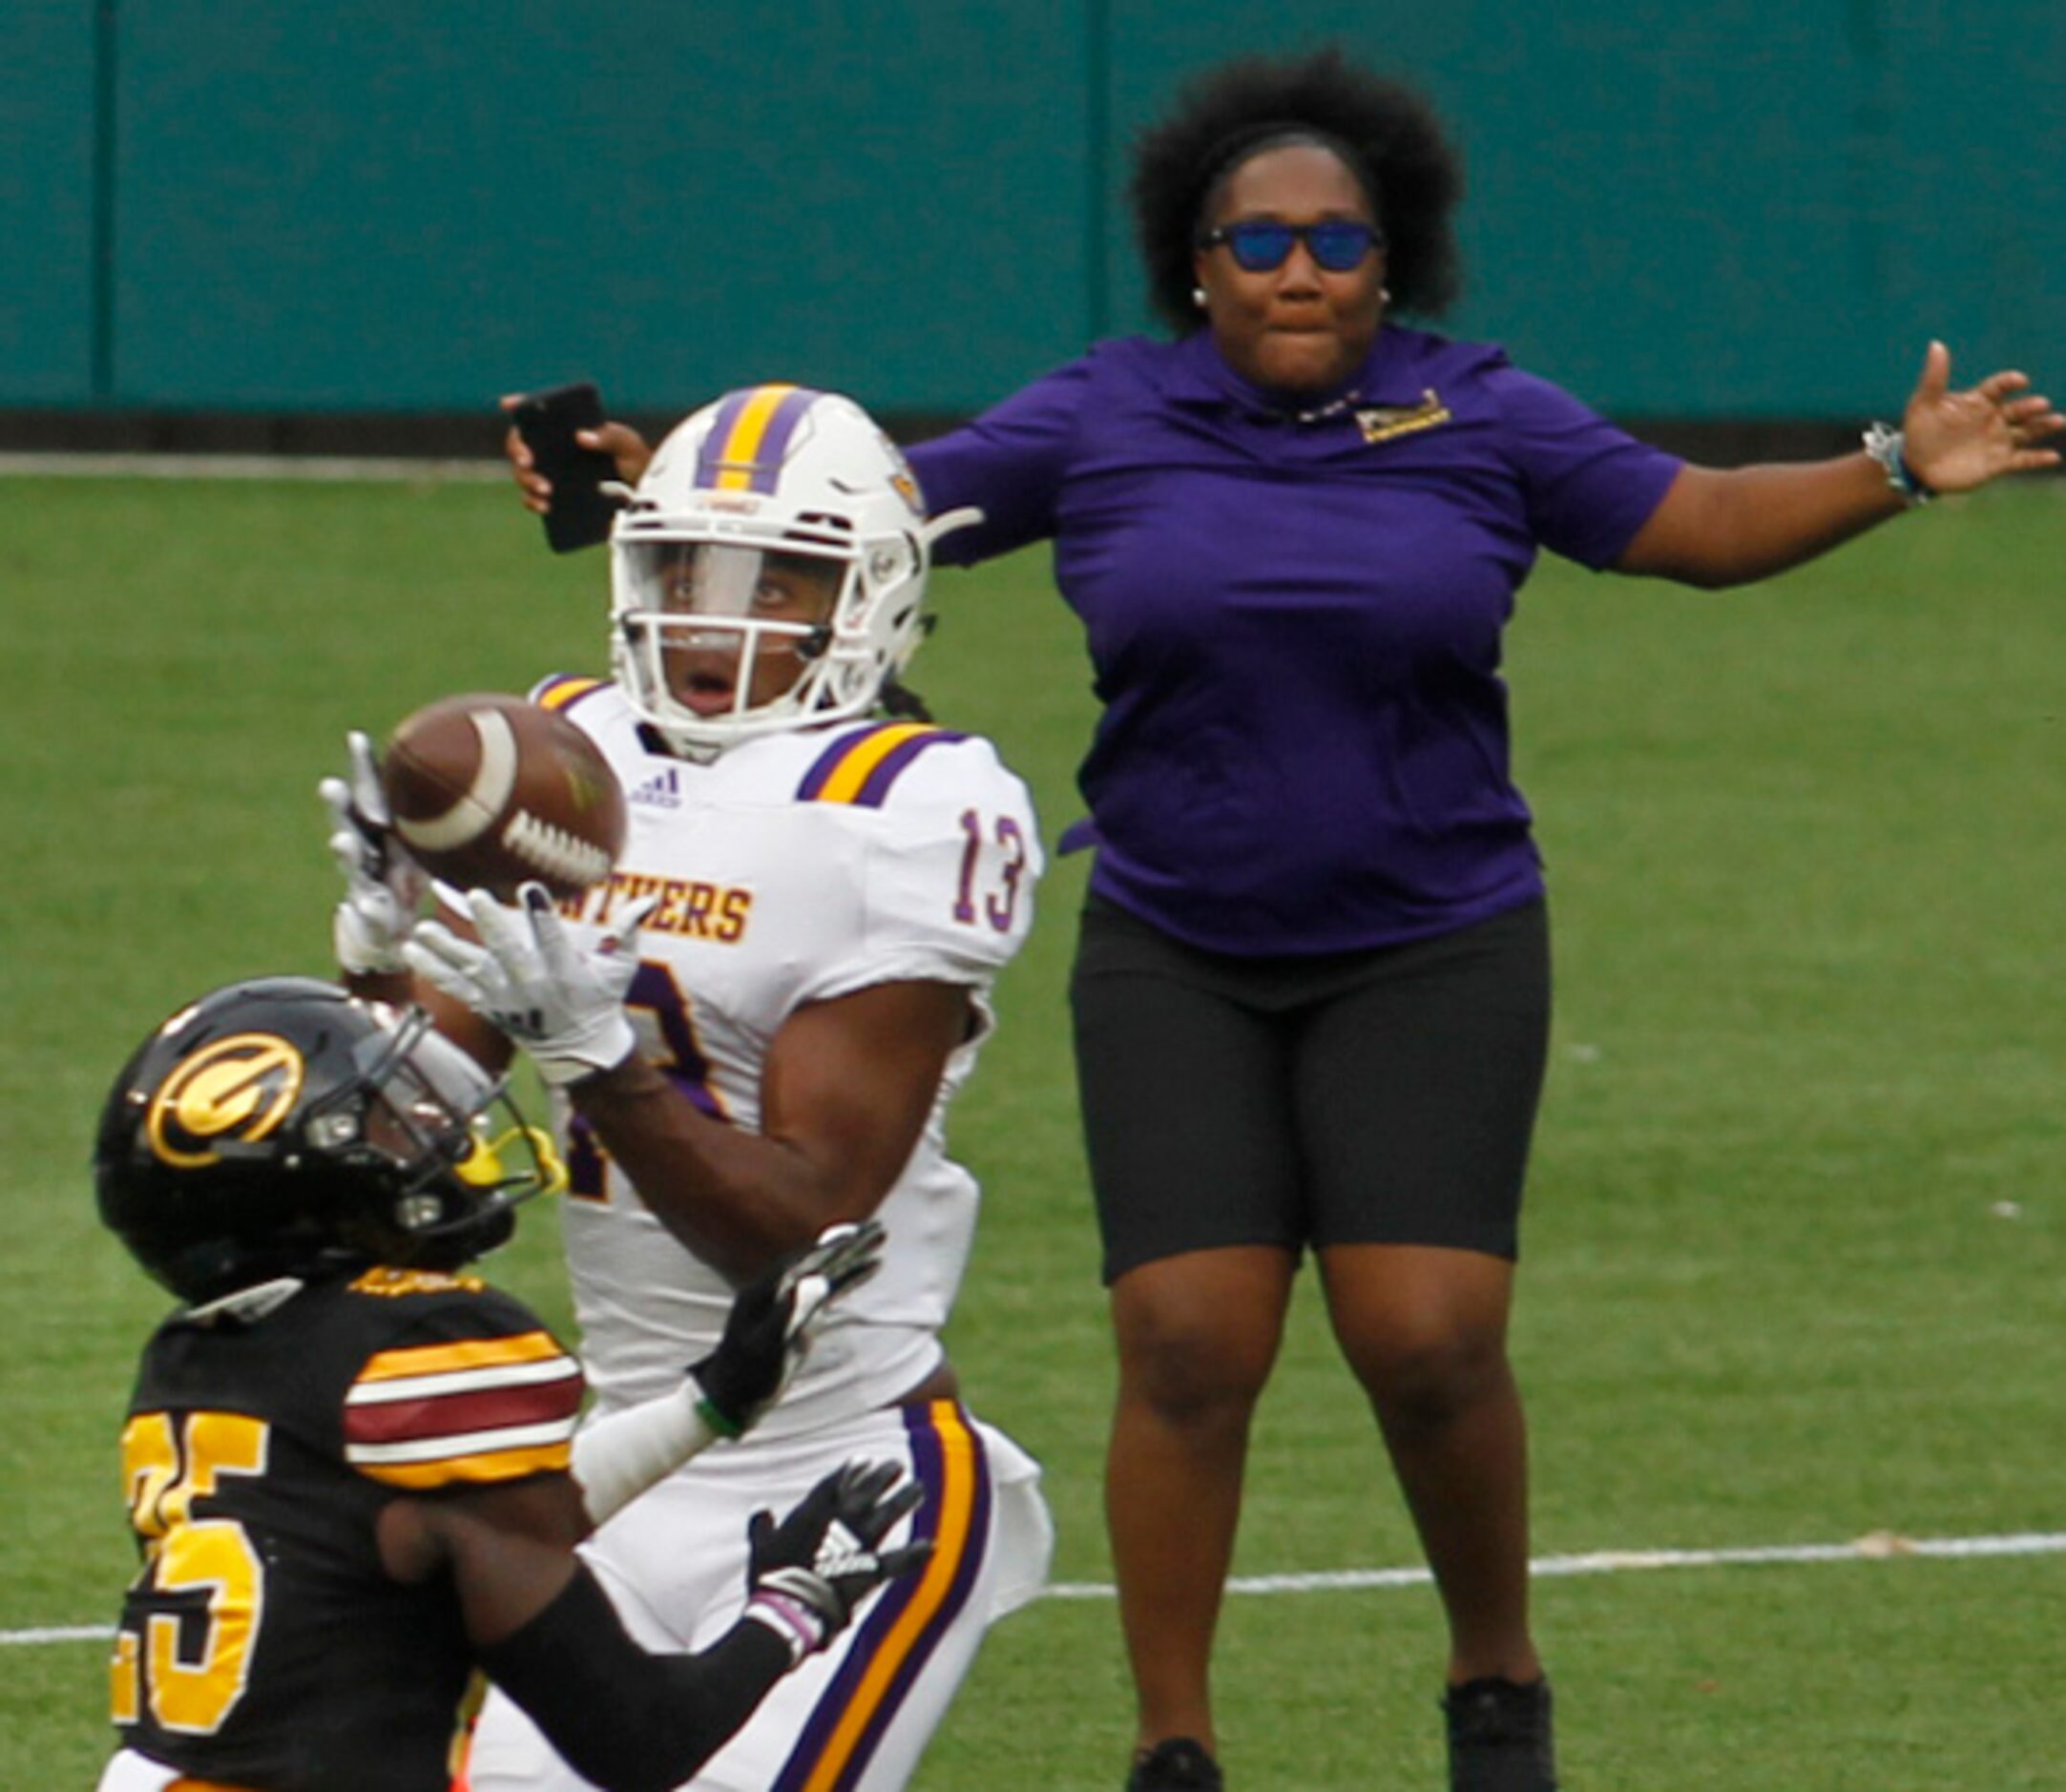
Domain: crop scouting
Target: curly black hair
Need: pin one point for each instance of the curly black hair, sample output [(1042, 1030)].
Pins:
[(1393, 141)]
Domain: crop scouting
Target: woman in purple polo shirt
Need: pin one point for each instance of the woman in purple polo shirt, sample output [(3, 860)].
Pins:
[(1312, 989)]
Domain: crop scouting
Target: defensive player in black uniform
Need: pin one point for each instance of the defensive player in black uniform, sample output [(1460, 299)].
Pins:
[(352, 1466)]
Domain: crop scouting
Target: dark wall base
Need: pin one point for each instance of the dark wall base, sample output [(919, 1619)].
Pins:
[(470, 436)]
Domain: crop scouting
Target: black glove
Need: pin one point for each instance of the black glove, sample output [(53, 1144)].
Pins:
[(805, 1576), (774, 1319)]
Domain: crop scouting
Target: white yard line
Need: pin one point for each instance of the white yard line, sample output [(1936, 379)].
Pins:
[(69, 1633), (1879, 1546)]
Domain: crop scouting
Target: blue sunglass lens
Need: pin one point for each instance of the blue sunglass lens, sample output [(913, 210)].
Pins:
[(1337, 246), (1260, 247)]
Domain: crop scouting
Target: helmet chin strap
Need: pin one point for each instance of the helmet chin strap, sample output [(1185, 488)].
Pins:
[(967, 517)]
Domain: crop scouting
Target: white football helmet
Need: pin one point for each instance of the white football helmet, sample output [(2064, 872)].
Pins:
[(777, 527)]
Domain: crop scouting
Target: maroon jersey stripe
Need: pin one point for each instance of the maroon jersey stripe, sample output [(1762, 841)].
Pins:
[(461, 1414)]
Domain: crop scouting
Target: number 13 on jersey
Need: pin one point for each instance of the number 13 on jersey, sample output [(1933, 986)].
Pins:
[(990, 881)]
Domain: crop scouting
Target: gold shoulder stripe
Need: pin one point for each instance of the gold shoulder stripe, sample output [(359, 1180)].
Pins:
[(846, 783), (568, 691), (530, 1346), (486, 1465)]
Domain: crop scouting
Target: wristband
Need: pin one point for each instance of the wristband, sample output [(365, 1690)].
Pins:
[(1889, 446), (708, 1410), (790, 1620), (617, 1458)]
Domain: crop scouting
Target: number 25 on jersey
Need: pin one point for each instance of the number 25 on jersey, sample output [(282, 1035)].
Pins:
[(192, 1566)]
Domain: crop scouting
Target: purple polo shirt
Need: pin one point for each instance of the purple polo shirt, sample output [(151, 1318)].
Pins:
[(1295, 621)]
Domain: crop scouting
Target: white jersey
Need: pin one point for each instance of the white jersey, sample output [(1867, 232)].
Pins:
[(791, 869)]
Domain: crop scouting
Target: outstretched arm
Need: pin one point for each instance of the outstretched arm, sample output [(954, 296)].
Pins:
[(539, 1625), (845, 1091), (845, 1094), (1728, 526), (629, 1720)]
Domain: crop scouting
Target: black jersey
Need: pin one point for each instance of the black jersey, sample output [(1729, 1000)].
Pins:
[(263, 1644)]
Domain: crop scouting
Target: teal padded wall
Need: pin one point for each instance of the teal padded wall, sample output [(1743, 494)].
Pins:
[(409, 206), (48, 162), (1721, 209)]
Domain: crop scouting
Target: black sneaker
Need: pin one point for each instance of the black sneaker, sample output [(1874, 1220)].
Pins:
[(1176, 1765), (1499, 1736)]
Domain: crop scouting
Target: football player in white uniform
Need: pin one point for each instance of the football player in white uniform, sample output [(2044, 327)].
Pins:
[(754, 1030)]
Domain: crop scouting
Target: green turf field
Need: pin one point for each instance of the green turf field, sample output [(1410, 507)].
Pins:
[(1796, 1226)]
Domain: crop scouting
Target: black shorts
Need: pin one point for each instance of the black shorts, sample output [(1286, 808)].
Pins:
[(1374, 1097)]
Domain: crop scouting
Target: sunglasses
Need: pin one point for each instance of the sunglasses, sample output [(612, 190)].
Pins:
[(1258, 244)]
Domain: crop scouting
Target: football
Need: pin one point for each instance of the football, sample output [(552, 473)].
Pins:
[(490, 791)]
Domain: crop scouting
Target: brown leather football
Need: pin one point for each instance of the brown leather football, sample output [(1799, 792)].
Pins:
[(491, 791)]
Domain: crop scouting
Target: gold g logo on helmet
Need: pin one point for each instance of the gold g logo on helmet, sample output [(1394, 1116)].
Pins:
[(235, 1091)]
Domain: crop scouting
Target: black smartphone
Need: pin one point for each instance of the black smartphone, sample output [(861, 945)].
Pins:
[(581, 513)]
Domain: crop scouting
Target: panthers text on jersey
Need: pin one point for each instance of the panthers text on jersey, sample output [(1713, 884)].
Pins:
[(263, 1644), (792, 869)]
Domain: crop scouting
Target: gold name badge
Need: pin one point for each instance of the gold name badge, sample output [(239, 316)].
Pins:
[(1380, 422)]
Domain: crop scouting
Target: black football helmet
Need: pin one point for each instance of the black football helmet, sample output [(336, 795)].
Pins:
[(281, 1127)]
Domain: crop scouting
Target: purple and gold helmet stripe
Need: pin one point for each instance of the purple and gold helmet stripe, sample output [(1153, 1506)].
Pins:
[(898, 1636), (563, 690), (744, 448), (859, 768)]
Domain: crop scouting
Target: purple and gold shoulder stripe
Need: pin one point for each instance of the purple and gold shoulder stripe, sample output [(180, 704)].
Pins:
[(484, 1409), (563, 690), (899, 1630), (860, 767), (749, 438)]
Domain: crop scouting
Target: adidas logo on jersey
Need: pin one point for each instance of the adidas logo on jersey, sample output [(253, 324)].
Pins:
[(662, 791)]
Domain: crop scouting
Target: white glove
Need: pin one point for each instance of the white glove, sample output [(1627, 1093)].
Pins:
[(384, 886), (562, 1002)]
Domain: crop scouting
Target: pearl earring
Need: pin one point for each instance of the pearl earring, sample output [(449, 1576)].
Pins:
[(1384, 294), (1198, 296)]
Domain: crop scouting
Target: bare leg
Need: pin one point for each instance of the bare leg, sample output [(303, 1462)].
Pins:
[(1197, 1337), (1425, 1331)]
